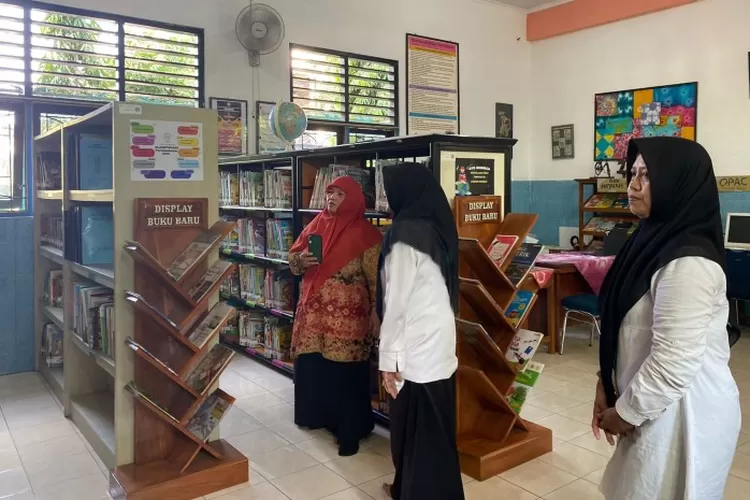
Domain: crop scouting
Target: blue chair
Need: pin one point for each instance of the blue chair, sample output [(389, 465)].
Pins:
[(582, 307)]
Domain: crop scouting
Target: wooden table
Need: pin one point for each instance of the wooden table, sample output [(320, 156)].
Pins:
[(547, 315)]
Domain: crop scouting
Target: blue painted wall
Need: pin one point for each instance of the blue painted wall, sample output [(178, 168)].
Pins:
[(16, 295), (556, 202)]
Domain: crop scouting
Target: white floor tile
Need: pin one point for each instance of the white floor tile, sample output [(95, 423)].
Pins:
[(311, 484)]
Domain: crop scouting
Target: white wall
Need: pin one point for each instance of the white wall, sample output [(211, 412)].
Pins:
[(495, 67), (707, 41)]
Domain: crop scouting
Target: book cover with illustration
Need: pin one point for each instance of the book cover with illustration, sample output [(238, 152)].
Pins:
[(525, 381), (518, 307), (501, 247), (208, 366), (523, 347), (216, 317), (210, 414), (523, 261), (601, 201)]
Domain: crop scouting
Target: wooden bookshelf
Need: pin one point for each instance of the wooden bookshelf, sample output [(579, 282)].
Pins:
[(92, 385), (492, 438), (587, 189)]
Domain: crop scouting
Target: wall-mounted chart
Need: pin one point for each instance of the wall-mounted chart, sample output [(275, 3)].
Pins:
[(166, 151)]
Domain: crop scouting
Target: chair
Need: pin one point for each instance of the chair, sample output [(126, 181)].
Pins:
[(582, 307)]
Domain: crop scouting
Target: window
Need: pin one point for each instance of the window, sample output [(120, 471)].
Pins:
[(12, 171), (359, 93), (60, 52)]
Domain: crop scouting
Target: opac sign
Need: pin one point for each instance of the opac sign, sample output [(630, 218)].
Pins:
[(481, 211), (739, 183)]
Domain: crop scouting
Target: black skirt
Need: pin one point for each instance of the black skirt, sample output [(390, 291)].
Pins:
[(423, 442), (333, 395)]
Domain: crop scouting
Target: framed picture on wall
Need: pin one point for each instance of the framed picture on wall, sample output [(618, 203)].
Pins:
[(503, 120), (670, 110), (232, 125), (563, 142)]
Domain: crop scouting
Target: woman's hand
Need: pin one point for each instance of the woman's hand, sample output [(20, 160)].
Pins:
[(389, 382), (307, 260), (612, 422), (600, 406)]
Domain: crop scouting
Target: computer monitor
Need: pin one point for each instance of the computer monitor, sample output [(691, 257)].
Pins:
[(737, 234)]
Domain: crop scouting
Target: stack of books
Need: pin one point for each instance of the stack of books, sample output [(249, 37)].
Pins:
[(93, 309), (258, 189)]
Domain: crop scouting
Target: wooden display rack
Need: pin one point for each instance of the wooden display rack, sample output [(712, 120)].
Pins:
[(492, 438), (171, 462)]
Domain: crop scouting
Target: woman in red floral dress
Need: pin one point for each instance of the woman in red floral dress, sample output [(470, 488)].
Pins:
[(335, 320)]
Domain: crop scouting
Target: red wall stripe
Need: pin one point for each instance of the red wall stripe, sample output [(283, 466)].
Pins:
[(582, 14)]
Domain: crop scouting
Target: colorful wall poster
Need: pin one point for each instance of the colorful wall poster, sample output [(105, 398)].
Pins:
[(166, 151), (475, 176), (266, 140), (232, 125), (649, 112), (432, 100)]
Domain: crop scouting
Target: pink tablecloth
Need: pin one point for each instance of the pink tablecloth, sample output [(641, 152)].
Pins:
[(593, 268)]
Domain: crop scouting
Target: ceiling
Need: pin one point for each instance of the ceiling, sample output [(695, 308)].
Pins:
[(532, 4)]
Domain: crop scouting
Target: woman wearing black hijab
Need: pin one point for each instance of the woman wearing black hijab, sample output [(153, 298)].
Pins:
[(417, 301), (665, 386)]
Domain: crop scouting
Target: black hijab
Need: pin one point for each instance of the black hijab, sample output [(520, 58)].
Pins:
[(422, 219), (685, 221)]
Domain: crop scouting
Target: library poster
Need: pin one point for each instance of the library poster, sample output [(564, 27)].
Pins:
[(166, 151), (266, 141), (232, 125), (475, 176), (432, 86)]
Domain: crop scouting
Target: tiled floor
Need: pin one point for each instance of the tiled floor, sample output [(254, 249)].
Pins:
[(42, 456)]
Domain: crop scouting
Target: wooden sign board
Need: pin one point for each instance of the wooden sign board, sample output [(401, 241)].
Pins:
[(611, 185), (171, 213), (478, 217), (734, 183)]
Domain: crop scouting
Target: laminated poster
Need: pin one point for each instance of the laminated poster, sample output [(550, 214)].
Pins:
[(166, 151)]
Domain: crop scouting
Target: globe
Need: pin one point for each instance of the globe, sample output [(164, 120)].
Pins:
[(288, 121)]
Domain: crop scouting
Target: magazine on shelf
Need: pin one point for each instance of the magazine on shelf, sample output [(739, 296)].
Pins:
[(208, 366), (204, 284), (518, 307), (107, 329), (87, 300), (138, 298), (523, 347), (523, 261), (216, 317), (135, 346), (601, 201), (53, 289), (522, 385), (197, 249), (210, 413), (52, 345), (501, 247)]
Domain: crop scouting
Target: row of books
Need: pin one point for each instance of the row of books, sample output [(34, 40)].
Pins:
[(52, 345), (53, 288), (270, 237), (255, 330), (606, 224), (204, 421), (267, 287), (608, 200), (326, 175), (51, 230), (93, 156), (251, 188), (93, 317)]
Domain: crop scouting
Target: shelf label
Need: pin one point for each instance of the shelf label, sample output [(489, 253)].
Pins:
[(170, 213), (612, 185), (479, 209), (131, 109)]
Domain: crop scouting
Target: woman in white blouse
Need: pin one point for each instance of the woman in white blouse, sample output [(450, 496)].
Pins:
[(417, 298), (665, 386)]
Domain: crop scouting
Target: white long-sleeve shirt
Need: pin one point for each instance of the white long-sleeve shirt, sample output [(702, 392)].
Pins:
[(418, 331)]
